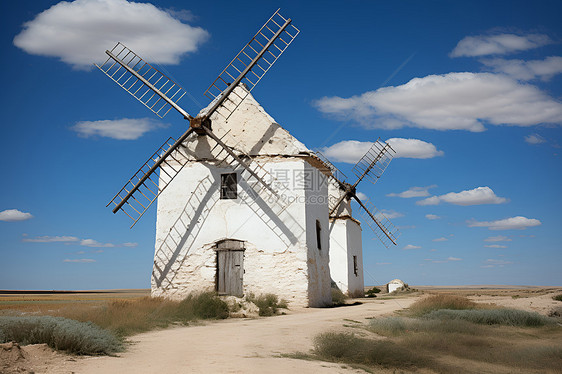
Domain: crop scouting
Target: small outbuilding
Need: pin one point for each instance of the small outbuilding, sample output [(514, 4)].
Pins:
[(395, 284)]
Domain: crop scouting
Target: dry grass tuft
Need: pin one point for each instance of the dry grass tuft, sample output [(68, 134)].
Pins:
[(441, 301)]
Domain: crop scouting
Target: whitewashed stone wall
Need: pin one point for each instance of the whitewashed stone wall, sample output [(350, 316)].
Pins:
[(345, 242), (281, 256)]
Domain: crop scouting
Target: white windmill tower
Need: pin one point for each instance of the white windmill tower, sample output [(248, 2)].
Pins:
[(226, 223)]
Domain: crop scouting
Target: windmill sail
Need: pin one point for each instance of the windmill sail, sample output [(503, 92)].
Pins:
[(144, 187), (374, 162), (252, 62), (160, 94), (147, 84), (379, 224), (372, 165)]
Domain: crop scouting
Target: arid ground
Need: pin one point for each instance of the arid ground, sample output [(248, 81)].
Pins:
[(250, 345)]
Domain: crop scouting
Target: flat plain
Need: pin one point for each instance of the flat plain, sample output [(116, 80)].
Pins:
[(286, 343)]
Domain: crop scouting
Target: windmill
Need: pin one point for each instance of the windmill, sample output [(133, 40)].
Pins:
[(371, 166), (160, 94), (281, 225)]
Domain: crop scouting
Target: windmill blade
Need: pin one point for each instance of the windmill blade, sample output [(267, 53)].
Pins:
[(382, 227), (147, 84), (250, 64), (144, 187), (374, 162)]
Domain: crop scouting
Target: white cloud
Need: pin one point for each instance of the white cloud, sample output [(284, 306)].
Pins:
[(95, 244), (51, 239), (432, 216), (362, 196), (498, 44), (413, 192), (12, 215), (495, 246), (492, 262), (79, 32), (120, 129), (477, 196), (128, 244), (454, 259), (442, 239), (79, 260), (410, 246), (535, 139), (498, 238), (454, 101), (390, 214), (350, 151), (512, 223), (413, 148), (526, 70)]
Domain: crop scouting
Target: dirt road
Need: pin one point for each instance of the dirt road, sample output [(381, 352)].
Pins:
[(235, 345)]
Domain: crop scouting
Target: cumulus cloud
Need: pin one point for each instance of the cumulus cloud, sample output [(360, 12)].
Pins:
[(442, 239), (350, 151), (390, 214), (477, 196), (495, 246), (493, 263), (411, 246), (498, 238), (78, 32), (454, 101), (535, 139), (12, 215), (526, 70), (499, 44), (79, 260), (413, 148), (432, 216), (120, 129), (95, 244), (413, 192), (51, 239), (512, 223)]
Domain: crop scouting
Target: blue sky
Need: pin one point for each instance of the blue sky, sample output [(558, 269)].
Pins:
[(468, 92)]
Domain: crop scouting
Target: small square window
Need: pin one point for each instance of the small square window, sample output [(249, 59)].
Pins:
[(229, 186)]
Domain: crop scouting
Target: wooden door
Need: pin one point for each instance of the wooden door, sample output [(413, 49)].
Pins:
[(230, 272)]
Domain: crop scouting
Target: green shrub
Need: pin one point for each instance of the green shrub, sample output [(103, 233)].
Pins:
[(557, 297), (508, 317), (59, 333), (206, 305), (338, 298), (372, 292), (268, 304)]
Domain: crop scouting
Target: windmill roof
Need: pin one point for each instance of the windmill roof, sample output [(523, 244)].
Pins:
[(249, 130)]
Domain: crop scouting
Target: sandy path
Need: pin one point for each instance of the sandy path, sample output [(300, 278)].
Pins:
[(235, 345)]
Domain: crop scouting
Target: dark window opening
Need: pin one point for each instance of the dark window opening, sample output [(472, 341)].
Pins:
[(318, 235), (355, 269), (229, 186)]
